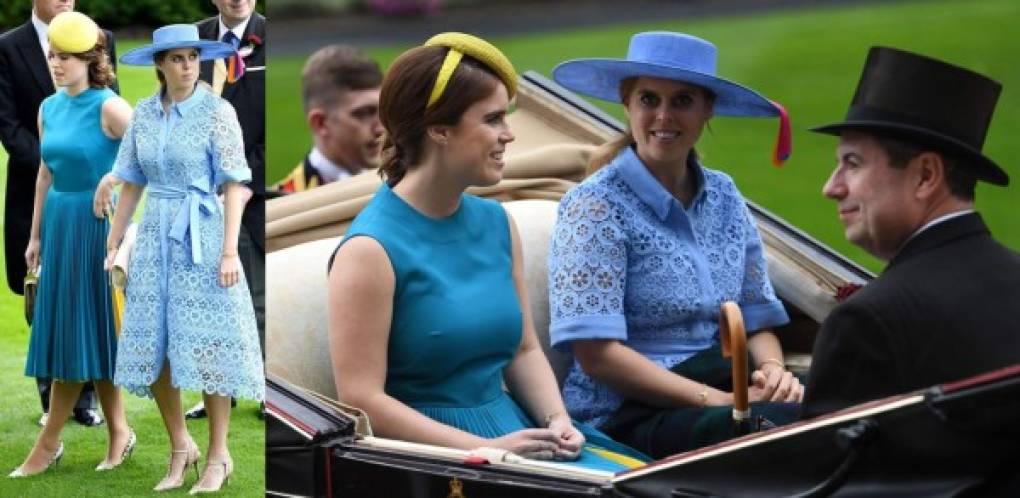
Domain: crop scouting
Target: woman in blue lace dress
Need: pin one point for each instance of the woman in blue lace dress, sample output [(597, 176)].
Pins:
[(73, 339), (427, 312), (188, 318), (647, 248)]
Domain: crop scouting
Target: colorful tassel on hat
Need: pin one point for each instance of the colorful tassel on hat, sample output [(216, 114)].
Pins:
[(784, 139), (235, 68)]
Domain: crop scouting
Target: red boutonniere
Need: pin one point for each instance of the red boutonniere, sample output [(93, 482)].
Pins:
[(846, 291), (252, 41)]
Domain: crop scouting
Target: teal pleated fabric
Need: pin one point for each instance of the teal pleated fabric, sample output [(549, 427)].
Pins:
[(73, 336), (456, 320), (503, 415)]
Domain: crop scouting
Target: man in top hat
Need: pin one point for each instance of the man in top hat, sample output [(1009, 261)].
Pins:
[(241, 80), (908, 159), (25, 81), (340, 93)]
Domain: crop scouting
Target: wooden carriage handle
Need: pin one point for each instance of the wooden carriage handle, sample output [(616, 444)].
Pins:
[(734, 346)]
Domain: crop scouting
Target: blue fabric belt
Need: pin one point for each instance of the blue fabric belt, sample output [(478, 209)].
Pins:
[(200, 202)]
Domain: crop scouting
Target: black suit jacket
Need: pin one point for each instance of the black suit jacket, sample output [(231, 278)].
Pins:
[(248, 96), (24, 83), (947, 307)]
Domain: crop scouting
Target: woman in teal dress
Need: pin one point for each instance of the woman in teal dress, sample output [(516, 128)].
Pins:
[(73, 339), (427, 308)]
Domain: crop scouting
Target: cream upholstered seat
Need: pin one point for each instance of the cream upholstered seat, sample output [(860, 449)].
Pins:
[(296, 335), (296, 278), (535, 220)]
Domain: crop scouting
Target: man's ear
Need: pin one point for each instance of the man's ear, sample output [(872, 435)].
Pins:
[(316, 119), (931, 174), (439, 134)]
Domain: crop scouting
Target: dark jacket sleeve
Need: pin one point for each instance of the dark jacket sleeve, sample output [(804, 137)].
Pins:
[(18, 140), (257, 162), (853, 361), (112, 48)]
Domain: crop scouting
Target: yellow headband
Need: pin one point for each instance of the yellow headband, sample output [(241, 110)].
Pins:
[(72, 32), (461, 44)]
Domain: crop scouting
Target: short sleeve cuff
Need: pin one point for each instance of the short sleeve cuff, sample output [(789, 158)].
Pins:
[(764, 316), (565, 330), (237, 175), (130, 176)]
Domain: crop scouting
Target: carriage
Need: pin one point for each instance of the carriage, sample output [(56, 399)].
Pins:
[(317, 446)]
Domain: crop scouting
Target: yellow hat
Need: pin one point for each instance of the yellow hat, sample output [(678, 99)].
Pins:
[(461, 44), (73, 32)]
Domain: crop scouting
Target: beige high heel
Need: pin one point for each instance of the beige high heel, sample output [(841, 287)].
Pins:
[(54, 461), (171, 481), (228, 468), (124, 454)]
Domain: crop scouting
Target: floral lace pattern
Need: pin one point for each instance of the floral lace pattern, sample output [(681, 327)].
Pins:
[(628, 262), (176, 309)]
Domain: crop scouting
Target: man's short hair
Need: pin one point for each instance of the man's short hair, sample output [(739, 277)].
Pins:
[(961, 182), (334, 69)]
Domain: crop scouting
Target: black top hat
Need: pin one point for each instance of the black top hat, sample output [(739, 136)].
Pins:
[(925, 101)]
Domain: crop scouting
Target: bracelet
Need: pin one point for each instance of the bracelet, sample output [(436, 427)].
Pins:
[(549, 418), (703, 396), (773, 361), (229, 254)]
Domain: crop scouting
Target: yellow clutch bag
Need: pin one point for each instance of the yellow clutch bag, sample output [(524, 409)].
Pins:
[(119, 275), (118, 282), (31, 288)]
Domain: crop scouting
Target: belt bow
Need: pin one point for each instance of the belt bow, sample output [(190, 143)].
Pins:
[(200, 202)]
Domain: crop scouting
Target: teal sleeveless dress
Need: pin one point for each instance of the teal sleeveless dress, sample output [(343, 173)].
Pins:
[(73, 335), (456, 318)]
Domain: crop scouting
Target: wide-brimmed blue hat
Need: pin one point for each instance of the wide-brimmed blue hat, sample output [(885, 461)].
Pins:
[(679, 57), (667, 55), (177, 36)]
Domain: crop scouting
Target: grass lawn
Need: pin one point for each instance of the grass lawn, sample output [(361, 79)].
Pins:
[(85, 447), (810, 60)]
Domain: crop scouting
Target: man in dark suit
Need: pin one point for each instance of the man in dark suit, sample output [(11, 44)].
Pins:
[(945, 307), (239, 24), (24, 82)]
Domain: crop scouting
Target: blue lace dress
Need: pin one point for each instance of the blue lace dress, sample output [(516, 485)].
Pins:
[(629, 262), (456, 320), (72, 328), (175, 309)]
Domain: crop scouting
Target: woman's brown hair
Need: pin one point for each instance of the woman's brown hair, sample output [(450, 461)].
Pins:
[(405, 91), (157, 59), (101, 73)]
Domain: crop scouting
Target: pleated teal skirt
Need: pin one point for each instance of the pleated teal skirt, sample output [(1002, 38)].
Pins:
[(503, 415), (73, 337)]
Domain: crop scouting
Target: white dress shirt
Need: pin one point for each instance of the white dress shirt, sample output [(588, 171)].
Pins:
[(238, 30), (329, 170)]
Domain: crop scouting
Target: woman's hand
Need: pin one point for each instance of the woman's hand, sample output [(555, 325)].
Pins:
[(570, 440), (111, 254), (102, 202), (537, 444), (32, 254), (230, 270), (774, 383)]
